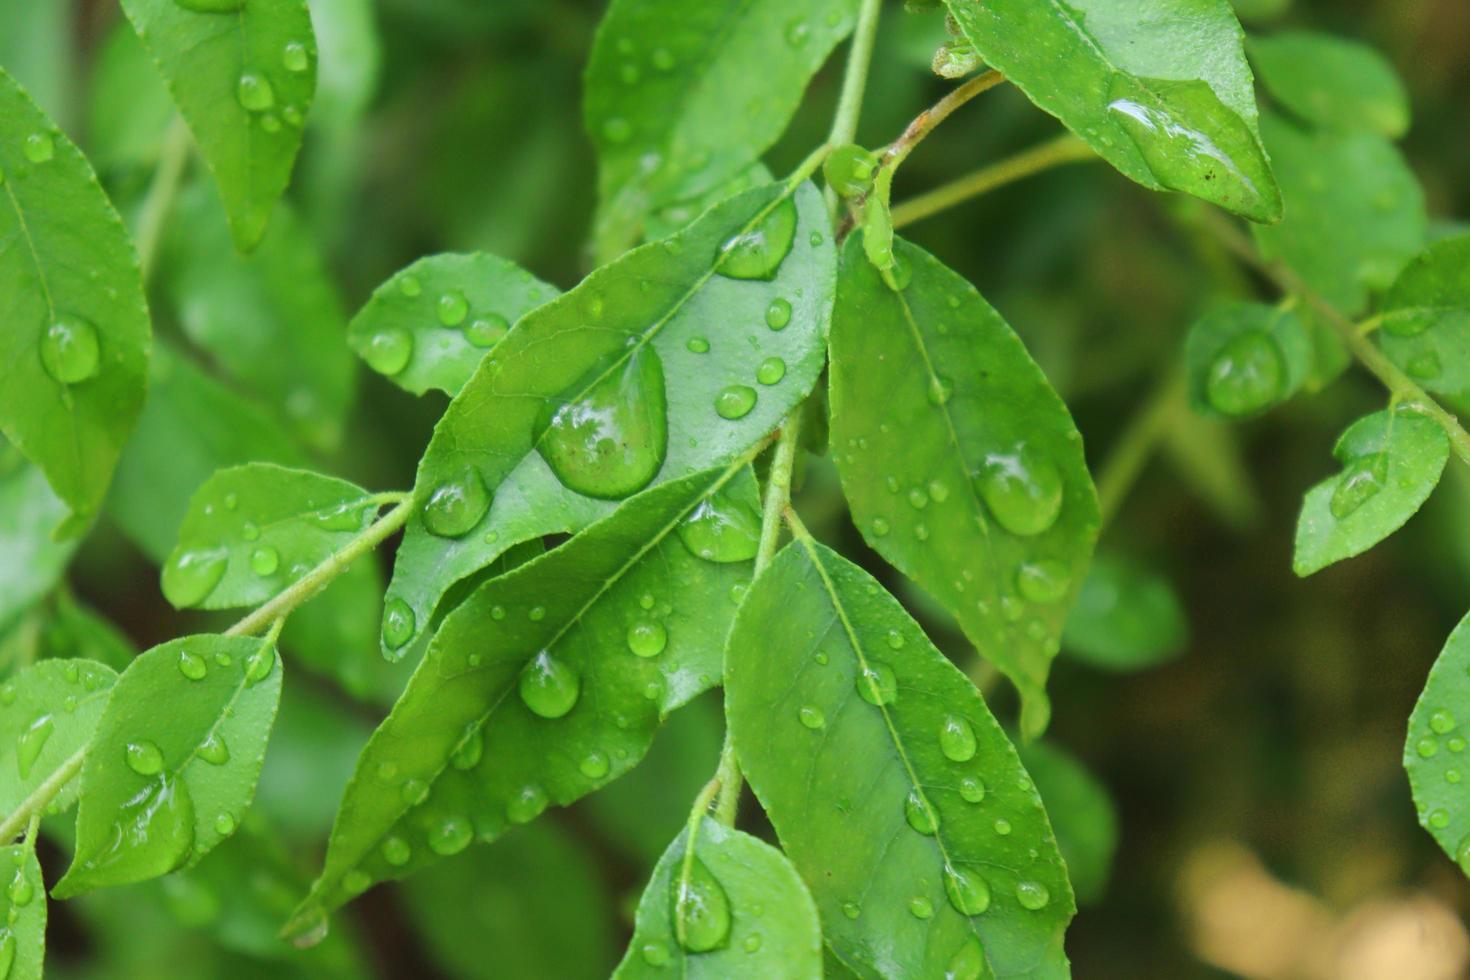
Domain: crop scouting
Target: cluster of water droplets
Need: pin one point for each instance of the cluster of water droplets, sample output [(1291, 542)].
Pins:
[(390, 349), (253, 89), (83, 680)]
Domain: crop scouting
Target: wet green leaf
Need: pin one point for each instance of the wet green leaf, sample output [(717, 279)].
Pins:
[(48, 711), (430, 324), (1245, 358), (961, 465), (675, 105), (1391, 462), (76, 339), (1082, 814), (892, 788), (1127, 617), (745, 912), (162, 786), (29, 511), (542, 686), (674, 217), (243, 79), (1354, 212), (1426, 318), (1332, 81), (23, 906), (1160, 90), (1434, 753), (576, 386)]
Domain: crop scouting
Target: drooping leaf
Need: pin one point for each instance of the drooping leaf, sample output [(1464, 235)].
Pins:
[(1082, 814), (1354, 212), (253, 530), (76, 337), (1391, 461), (1434, 753), (1426, 317), (676, 105), (192, 427), (1127, 617), (1159, 88), (1332, 81), (47, 712), (174, 760), (23, 907), (29, 511), (960, 463), (892, 788), (730, 905), (272, 319), (675, 358), (430, 324), (532, 895), (1245, 358), (242, 75), (546, 683)]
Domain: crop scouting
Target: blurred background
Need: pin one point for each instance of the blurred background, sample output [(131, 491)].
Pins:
[(1246, 812)]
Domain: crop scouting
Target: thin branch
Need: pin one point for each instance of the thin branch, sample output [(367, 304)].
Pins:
[(42, 795), (161, 192), (928, 120), (1137, 442)]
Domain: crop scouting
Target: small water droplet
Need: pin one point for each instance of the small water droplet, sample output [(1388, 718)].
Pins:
[(526, 805), (29, 743), (192, 666), (655, 954), (265, 560), (21, 891), (213, 749), (1439, 819), (735, 401), (697, 345), (486, 331), (396, 851), (410, 286), (851, 909), (721, 528), (1359, 483), (39, 147), (1002, 826), (811, 716), (921, 908), (972, 790), (1032, 895), (450, 836), (457, 504), (968, 962), (414, 791), (295, 57), (1427, 747), (1442, 722), (941, 389), (1046, 580), (260, 664), (771, 371), (471, 747), (254, 92), (758, 252), (778, 313), (452, 308), (144, 758), (548, 686), (957, 739), (647, 639), (389, 350), (70, 350), (877, 685), (192, 576), (224, 825), (880, 527), (595, 765)]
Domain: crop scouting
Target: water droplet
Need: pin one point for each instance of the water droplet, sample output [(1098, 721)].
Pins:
[(752, 942), (918, 499), (1427, 748), (877, 685), (549, 687), (941, 389), (771, 371), (1032, 895), (389, 350), (701, 909), (957, 739), (647, 639), (851, 909), (398, 623), (1462, 855), (294, 56), (265, 560), (21, 891), (778, 313), (609, 439), (396, 851), (471, 747), (662, 59), (457, 504), (920, 813), (1359, 482), (260, 664), (967, 891), (526, 805), (69, 350), (1442, 722), (1043, 581), (254, 92), (972, 790), (1002, 826), (410, 286), (487, 330), (1247, 374), (811, 716), (1425, 366), (895, 640), (39, 147), (880, 527), (735, 401), (452, 308), (192, 576), (722, 528), (1022, 490), (536, 613), (224, 825), (758, 252), (144, 758), (29, 743), (655, 954), (213, 749), (697, 345), (414, 791), (450, 836), (1439, 819), (595, 765), (796, 33), (921, 908)]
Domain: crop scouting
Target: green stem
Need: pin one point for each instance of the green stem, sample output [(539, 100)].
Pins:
[(1134, 447), (778, 490), (854, 83), (1064, 149), (42, 795), (926, 122), (161, 192)]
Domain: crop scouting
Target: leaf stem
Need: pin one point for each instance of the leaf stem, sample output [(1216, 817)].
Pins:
[(39, 797), (778, 490), (1140, 436), (854, 83), (172, 158), (1063, 149), (928, 120)]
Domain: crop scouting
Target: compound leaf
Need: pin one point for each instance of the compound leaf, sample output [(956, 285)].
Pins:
[(676, 105), (1127, 617), (960, 463), (677, 357), (1426, 317), (1159, 88), (1434, 752), (23, 907), (48, 711), (892, 788), (174, 760), (547, 683), (242, 75), (430, 324), (1391, 462), (1245, 358), (739, 905), (75, 343), (1332, 82)]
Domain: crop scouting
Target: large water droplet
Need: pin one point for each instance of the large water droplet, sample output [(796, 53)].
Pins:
[(295, 56), (144, 757), (1247, 374), (778, 313), (265, 560), (457, 504), (771, 371), (398, 623), (1032, 895), (1046, 580), (957, 739), (213, 749), (967, 891), (722, 528), (153, 832), (758, 252), (69, 350), (548, 686), (467, 753), (876, 684), (1359, 483), (452, 308), (450, 836), (260, 664), (191, 577), (647, 639), (735, 401), (29, 743), (487, 330), (609, 439), (920, 813), (192, 666), (701, 909), (254, 92), (389, 350), (1022, 490)]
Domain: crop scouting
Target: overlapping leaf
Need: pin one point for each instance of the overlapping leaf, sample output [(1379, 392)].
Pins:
[(1082, 813), (29, 511), (1434, 754), (23, 908), (1159, 88), (75, 343), (1426, 318), (675, 358), (48, 711), (547, 683), (1127, 617), (1245, 358), (1332, 82), (960, 463), (892, 788)]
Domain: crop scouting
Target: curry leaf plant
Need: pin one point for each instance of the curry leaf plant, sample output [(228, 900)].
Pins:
[(541, 508)]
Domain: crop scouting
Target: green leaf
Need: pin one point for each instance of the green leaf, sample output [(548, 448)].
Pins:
[(272, 320), (36, 47), (1391, 462), (1127, 617), (681, 98), (128, 106), (1332, 82), (961, 464), (1082, 814), (891, 787), (1159, 88), (23, 906), (568, 412), (1426, 317), (1261, 10), (349, 60), (47, 712), (671, 219), (251, 531), (75, 344), (175, 758), (540, 909), (242, 75), (739, 905), (1435, 748), (29, 510), (1355, 213), (192, 427), (78, 632), (430, 324), (546, 683), (1245, 358)]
